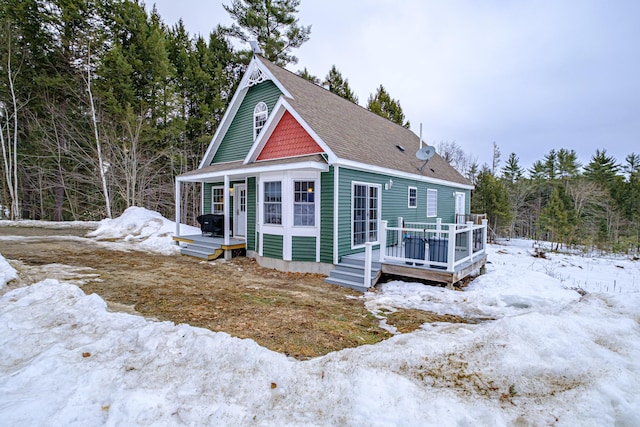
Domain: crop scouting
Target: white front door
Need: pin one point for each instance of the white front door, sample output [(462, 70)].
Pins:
[(240, 210)]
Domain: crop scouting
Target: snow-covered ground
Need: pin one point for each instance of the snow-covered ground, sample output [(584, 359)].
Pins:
[(550, 356)]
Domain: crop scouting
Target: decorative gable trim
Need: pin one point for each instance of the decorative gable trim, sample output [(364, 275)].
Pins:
[(282, 107), (256, 73), (288, 139)]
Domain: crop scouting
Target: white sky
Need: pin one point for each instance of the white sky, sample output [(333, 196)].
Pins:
[(530, 75)]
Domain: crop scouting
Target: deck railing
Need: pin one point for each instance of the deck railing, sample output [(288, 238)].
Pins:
[(435, 245)]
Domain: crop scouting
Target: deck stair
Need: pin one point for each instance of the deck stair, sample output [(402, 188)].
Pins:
[(204, 250), (350, 274)]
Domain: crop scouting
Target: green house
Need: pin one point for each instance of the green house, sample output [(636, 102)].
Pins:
[(302, 178)]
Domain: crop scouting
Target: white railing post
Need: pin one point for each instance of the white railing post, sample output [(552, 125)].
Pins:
[(383, 240), (470, 239), (451, 248), (438, 227), (178, 215), (367, 264), (484, 234), (400, 231)]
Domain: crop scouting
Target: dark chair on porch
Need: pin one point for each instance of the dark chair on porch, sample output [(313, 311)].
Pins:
[(211, 224)]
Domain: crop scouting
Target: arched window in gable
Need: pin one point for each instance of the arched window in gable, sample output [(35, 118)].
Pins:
[(260, 114)]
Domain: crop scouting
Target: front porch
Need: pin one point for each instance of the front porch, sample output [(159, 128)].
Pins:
[(208, 247)]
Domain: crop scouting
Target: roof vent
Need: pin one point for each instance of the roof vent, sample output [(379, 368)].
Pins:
[(400, 147)]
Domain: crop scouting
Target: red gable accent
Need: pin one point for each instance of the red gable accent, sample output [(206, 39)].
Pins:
[(289, 139)]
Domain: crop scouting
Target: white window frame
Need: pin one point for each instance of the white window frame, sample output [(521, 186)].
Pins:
[(311, 184), (217, 206), (260, 115), (265, 202), (432, 203), (415, 198)]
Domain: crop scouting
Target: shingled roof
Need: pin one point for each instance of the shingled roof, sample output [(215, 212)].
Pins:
[(355, 133)]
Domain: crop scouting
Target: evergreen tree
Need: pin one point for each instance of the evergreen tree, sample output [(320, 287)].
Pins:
[(338, 85), (383, 105), (512, 171), (554, 219), (568, 165), (305, 74), (601, 168), (272, 23), (490, 196)]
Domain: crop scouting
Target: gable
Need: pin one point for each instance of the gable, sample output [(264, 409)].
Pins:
[(238, 139), (288, 139)]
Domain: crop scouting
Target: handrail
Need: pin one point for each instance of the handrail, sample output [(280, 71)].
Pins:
[(429, 243)]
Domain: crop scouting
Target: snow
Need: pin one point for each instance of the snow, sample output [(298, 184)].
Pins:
[(540, 354), (147, 229), (7, 273)]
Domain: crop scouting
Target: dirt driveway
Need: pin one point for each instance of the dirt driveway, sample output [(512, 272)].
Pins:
[(296, 314)]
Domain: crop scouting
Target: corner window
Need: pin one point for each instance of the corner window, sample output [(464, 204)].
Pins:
[(412, 197), (432, 203), (217, 200), (273, 202), (260, 114), (304, 206)]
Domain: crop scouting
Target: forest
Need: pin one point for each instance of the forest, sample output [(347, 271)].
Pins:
[(102, 104)]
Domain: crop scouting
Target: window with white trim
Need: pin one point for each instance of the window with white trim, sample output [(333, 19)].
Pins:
[(260, 114), (217, 200), (432, 203), (273, 202), (412, 197), (304, 206)]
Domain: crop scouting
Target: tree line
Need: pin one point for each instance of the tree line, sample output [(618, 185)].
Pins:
[(102, 104), (557, 199)]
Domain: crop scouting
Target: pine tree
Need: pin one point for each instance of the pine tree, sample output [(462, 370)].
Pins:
[(339, 85), (490, 196), (554, 219), (272, 23), (383, 105), (512, 171), (601, 168), (305, 74)]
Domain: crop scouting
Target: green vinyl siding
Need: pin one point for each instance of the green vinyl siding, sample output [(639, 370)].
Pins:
[(326, 215), (238, 139), (251, 214), (394, 202), (303, 248), (272, 246)]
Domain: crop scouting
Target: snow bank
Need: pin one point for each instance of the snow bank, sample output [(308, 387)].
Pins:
[(66, 360), (147, 229), (7, 273)]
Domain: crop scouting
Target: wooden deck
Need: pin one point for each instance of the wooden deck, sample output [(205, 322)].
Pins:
[(425, 271), (197, 238)]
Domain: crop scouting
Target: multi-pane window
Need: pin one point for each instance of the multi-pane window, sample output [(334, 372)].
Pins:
[(273, 202), (365, 214), (304, 207), (413, 197), (432, 203), (260, 114), (217, 200)]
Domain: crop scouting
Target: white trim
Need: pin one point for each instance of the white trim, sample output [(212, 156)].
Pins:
[(409, 197), (378, 208), (427, 212), (178, 200), (282, 105), (336, 199), (258, 169), (202, 185), (392, 172), (234, 105)]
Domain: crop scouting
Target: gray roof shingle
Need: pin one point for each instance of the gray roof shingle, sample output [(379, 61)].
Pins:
[(355, 133)]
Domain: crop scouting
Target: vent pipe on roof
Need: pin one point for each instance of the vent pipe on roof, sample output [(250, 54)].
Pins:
[(420, 146)]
